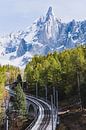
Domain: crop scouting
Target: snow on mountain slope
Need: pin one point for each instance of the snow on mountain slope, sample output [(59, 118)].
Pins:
[(47, 34)]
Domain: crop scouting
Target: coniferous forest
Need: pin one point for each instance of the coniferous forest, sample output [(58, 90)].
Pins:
[(7, 75), (66, 71)]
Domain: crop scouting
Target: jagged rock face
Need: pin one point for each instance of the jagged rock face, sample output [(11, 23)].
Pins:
[(22, 48), (47, 34), (48, 29)]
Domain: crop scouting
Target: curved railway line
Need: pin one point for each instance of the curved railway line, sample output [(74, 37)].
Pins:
[(46, 113), (43, 121)]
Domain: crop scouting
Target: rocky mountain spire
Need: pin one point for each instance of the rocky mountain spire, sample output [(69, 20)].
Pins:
[(49, 13)]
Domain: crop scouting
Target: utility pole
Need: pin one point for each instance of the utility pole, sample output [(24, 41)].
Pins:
[(36, 90), (6, 122), (54, 96), (6, 108), (46, 93), (79, 94), (57, 105), (52, 110)]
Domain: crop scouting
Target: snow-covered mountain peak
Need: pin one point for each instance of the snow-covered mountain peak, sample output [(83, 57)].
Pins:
[(46, 34)]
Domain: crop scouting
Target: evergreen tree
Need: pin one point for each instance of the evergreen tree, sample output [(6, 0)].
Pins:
[(19, 100)]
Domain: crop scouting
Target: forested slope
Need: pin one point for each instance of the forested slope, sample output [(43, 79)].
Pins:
[(7, 75), (61, 70)]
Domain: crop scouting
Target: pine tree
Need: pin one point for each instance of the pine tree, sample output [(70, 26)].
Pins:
[(20, 100)]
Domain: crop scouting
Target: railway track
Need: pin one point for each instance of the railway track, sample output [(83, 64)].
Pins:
[(47, 116), (43, 121)]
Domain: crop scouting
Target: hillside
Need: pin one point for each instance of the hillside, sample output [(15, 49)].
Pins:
[(73, 121), (66, 72)]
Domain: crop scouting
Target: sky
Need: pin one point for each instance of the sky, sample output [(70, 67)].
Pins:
[(18, 14)]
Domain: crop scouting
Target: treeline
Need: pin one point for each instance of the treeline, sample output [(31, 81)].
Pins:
[(61, 70), (7, 75)]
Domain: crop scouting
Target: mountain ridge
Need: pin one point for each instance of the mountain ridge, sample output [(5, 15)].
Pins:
[(47, 34)]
